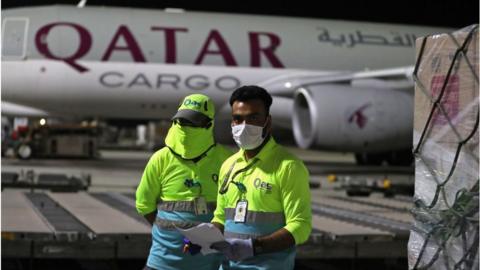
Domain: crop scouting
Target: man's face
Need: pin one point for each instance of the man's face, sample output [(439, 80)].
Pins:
[(252, 112)]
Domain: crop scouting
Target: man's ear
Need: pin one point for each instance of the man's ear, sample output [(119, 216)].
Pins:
[(268, 126)]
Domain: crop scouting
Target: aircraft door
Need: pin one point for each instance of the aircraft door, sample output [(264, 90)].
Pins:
[(14, 38)]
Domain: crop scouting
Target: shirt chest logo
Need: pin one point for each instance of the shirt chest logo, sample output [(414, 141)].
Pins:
[(262, 185)]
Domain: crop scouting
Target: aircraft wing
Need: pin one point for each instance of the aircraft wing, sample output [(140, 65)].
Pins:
[(12, 109), (286, 85)]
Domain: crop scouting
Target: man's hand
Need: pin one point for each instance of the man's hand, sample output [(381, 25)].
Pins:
[(219, 226), (235, 249), (150, 217), (190, 247)]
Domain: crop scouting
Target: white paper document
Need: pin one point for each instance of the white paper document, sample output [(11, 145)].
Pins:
[(204, 235)]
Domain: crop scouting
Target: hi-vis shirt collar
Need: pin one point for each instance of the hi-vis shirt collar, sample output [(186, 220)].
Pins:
[(264, 153)]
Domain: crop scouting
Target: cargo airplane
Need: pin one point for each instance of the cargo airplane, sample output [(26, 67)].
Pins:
[(337, 85)]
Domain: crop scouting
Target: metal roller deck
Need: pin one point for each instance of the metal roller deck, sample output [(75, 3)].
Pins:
[(105, 225)]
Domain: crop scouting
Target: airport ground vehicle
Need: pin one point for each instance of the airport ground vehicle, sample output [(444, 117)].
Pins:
[(364, 187), (390, 184), (58, 141)]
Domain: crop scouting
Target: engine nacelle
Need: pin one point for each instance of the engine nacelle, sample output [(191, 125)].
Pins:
[(352, 119)]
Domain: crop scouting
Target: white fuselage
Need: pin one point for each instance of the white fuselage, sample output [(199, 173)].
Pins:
[(138, 64)]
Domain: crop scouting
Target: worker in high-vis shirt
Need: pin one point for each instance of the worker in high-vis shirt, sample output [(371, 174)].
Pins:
[(179, 185), (263, 206)]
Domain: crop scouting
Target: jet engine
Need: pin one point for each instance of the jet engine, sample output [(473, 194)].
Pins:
[(363, 120)]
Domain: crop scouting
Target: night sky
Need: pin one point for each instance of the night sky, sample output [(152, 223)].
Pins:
[(455, 14)]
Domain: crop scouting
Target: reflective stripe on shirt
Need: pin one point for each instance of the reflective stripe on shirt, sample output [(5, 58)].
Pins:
[(183, 206), (257, 216)]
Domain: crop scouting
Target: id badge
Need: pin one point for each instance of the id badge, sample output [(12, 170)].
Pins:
[(200, 206), (241, 212)]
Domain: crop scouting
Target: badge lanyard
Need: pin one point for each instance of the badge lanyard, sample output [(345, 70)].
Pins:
[(226, 181), (241, 208)]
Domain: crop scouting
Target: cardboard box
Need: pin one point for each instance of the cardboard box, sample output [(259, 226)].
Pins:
[(460, 98)]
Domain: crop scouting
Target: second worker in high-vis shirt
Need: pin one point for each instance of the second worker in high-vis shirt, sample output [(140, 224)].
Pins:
[(182, 179), (263, 205)]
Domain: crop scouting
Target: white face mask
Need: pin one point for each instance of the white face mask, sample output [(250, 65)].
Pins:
[(248, 137)]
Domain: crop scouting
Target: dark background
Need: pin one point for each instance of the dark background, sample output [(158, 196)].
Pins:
[(449, 13)]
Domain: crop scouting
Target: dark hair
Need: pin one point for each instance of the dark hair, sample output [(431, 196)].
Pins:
[(251, 92)]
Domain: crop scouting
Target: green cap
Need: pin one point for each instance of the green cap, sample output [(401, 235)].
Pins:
[(196, 108)]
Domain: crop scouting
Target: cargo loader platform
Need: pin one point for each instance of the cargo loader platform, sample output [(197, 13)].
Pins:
[(105, 225)]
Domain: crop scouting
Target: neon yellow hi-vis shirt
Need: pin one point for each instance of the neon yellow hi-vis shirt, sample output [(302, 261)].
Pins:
[(278, 182), (165, 174)]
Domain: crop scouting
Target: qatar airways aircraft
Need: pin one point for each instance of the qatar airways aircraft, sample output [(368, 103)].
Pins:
[(338, 85)]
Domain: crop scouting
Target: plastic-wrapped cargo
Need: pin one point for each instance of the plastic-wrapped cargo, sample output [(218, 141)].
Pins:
[(445, 233)]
